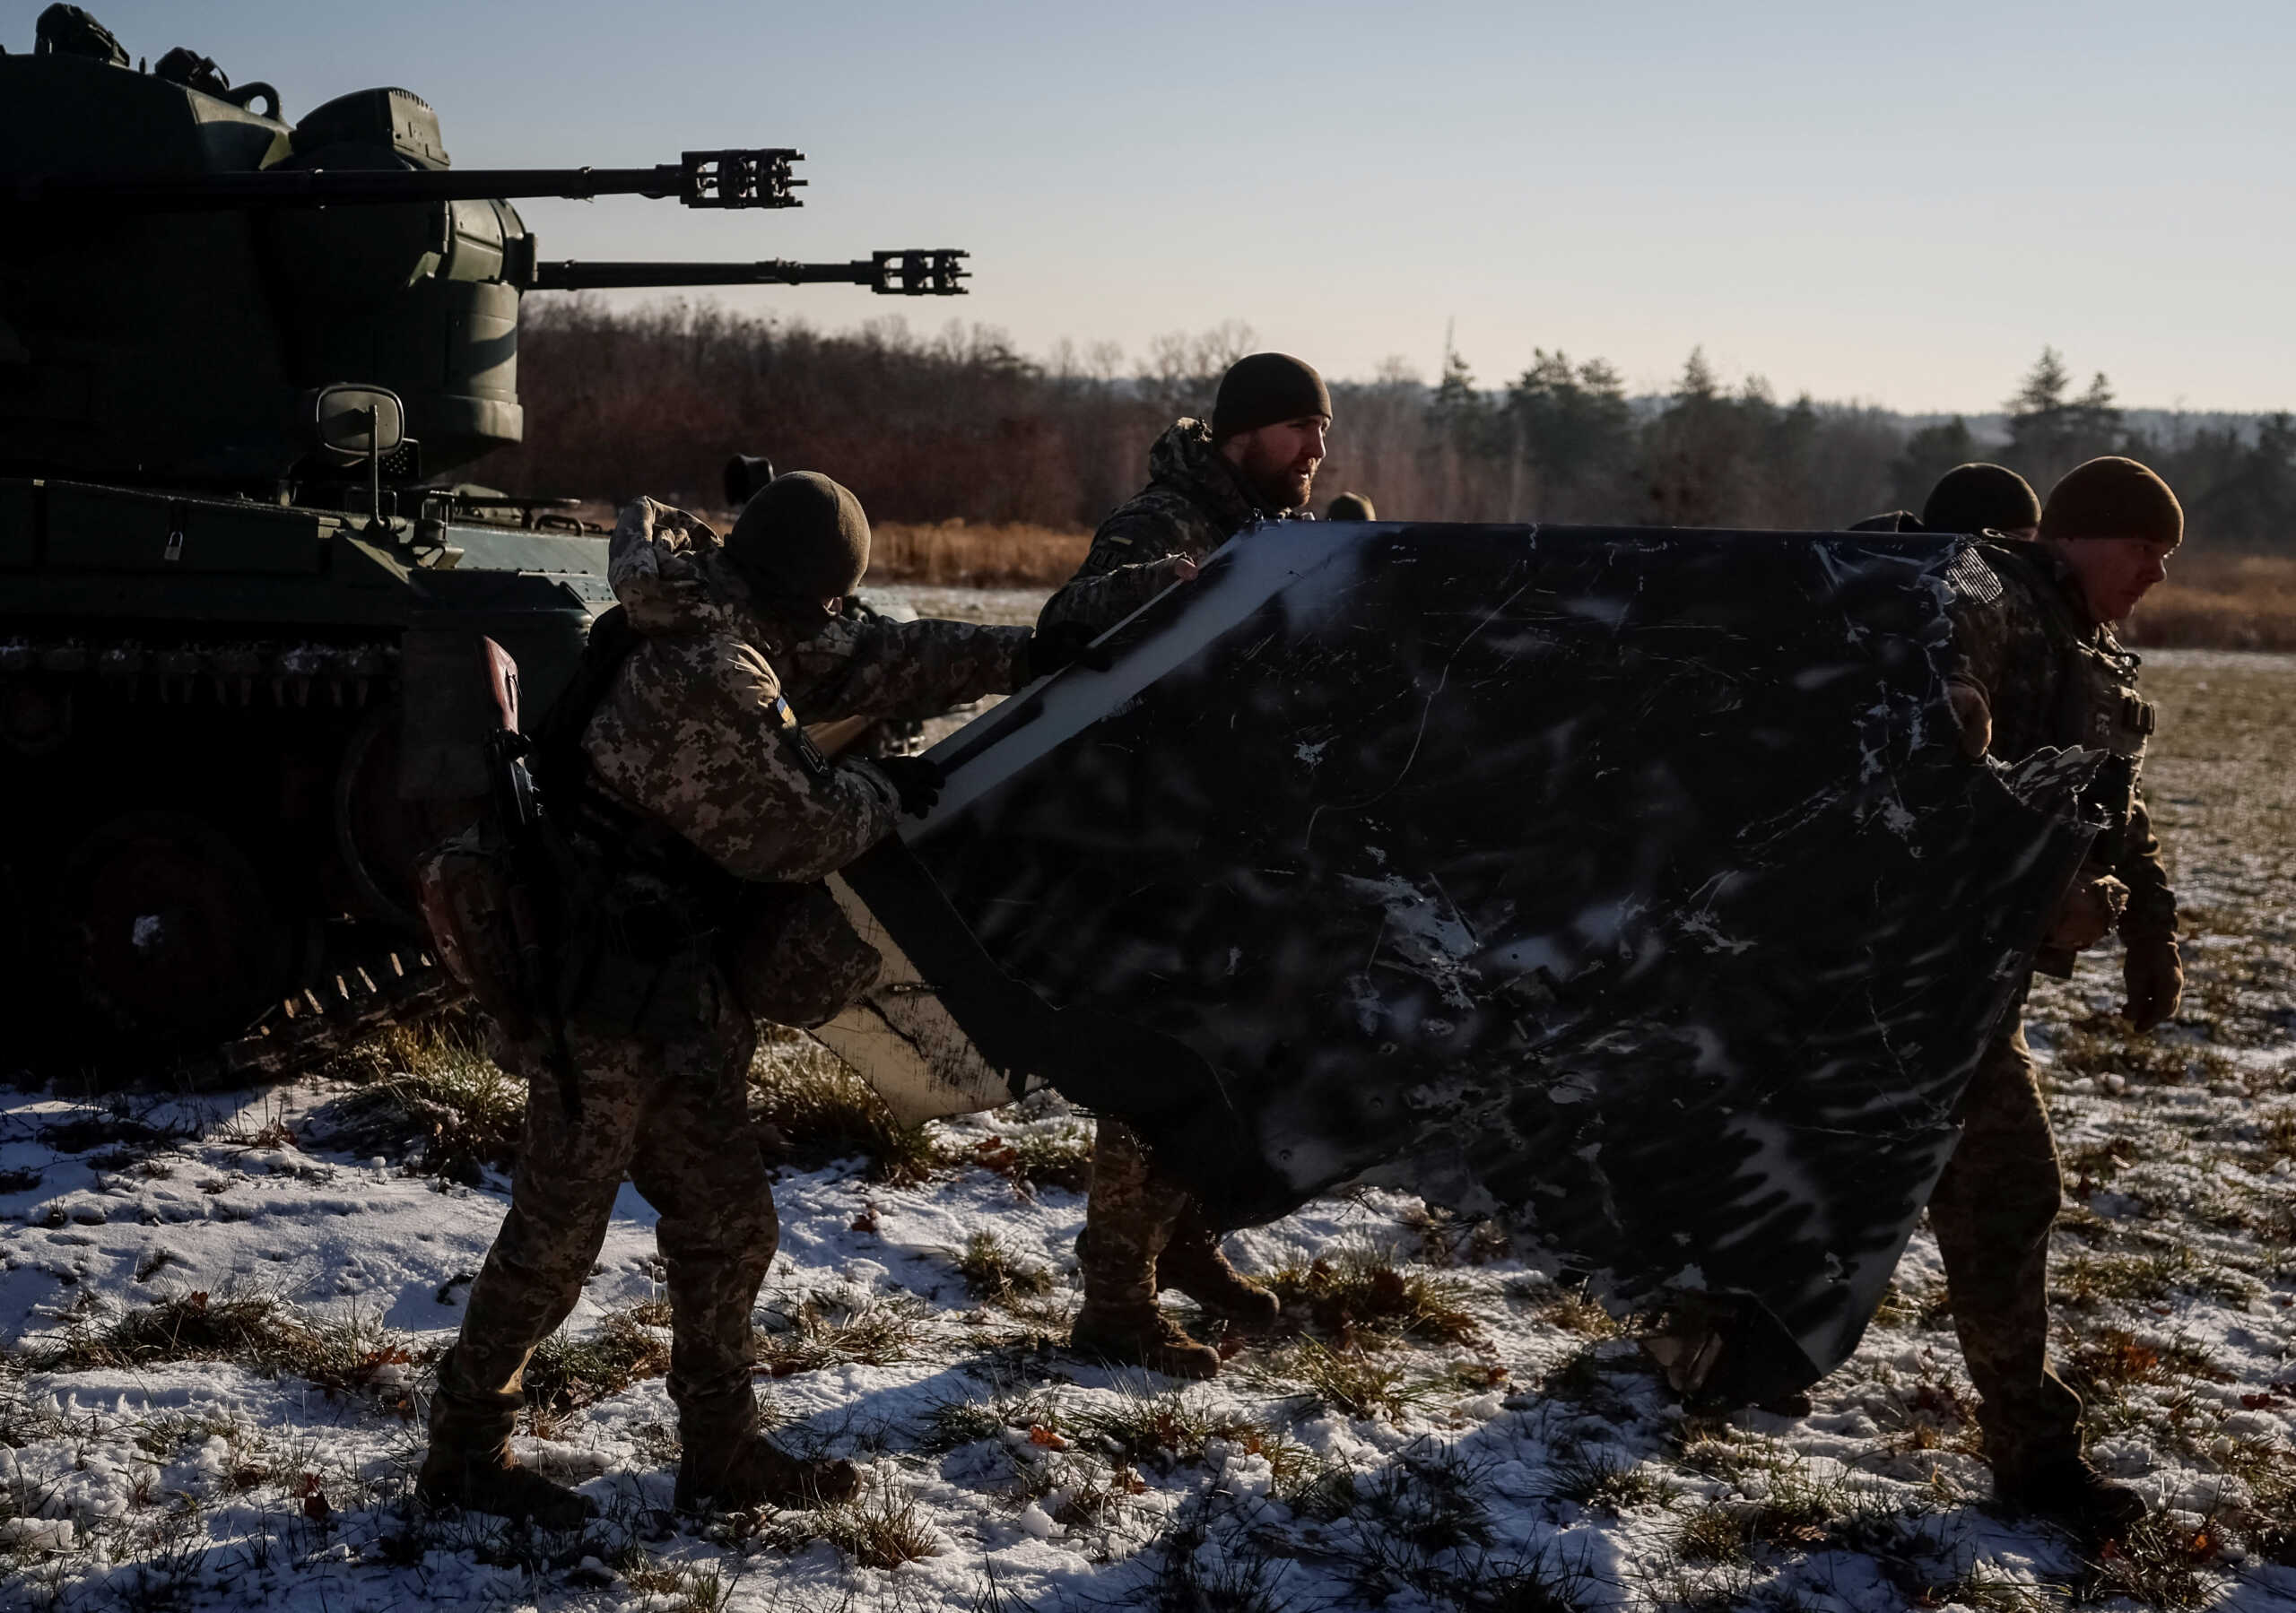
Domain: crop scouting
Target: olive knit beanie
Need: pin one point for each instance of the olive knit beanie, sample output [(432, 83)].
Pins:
[(803, 536), (2113, 498)]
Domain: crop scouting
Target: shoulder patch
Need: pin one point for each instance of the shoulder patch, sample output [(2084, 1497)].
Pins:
[(1970, 577)]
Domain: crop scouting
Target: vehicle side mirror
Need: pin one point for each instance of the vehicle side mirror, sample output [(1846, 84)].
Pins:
[(359, 422)]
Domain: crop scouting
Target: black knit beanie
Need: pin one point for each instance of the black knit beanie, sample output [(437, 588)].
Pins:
[(1267, 389), (1981, 498), (801, 537), (2113, 498)]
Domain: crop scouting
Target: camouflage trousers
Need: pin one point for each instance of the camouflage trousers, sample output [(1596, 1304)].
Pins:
[(1133, 1214), (1992, 1213), (673, 1114)]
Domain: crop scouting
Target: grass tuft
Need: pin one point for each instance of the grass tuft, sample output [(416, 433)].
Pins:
[(1056, 1156), (2161, 1564), (428, 1092), (883, 1529), (875, 1329), (994, 1273), (1604, 1480), (1348, 1381), (567, 1373), (812, 1109), (254, 1331), (1361, 1290)]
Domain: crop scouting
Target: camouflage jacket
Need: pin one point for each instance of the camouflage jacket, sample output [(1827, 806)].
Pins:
[(693, 732), (1192, 503), (2048, 676)]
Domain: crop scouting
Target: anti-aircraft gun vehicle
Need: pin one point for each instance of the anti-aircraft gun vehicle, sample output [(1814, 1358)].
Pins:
[(237, 352)]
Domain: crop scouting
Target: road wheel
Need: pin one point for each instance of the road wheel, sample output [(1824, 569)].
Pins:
[(165, 932)]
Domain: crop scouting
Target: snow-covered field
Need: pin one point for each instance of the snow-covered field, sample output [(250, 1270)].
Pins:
[(1437, 1426)]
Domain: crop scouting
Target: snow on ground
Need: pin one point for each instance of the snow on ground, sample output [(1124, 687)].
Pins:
[(1437, 1426)]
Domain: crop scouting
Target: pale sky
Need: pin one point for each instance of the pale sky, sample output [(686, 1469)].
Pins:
[(1891, 202)]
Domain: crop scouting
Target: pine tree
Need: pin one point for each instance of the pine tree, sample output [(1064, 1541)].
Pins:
[(1929, 452), (1575, 430)]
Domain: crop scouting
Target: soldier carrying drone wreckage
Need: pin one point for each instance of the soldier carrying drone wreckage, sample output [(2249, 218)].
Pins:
[(1441, 857)]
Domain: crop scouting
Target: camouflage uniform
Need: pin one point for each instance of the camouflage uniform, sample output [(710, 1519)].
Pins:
[(1142, 1231), (1193, 502), (692, 735), (2048, 676)]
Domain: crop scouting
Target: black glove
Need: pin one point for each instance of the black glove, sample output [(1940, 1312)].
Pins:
[(2155, 976), (1066, 644), (918, 782)]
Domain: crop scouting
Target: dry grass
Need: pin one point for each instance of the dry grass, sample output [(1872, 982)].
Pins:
[(811, 1108), (1347, 1381), (253, 1330), (994, 1273), (1058, 1155), (833, 1329), (568, 1374), (984, 555), (2221, 601), (1361, 1291), (428, 1091)]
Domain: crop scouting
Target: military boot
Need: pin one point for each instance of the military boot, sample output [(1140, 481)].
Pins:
[(1119, 1321), (1140, 1335), (469, 1463), (1194, 1263), (2065, 1490), (730, 1466)]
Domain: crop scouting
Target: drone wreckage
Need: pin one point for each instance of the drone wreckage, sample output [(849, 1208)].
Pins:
[(1629, 885)]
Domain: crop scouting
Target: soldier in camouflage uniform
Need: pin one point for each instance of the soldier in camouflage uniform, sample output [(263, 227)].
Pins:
[(2037, 665), (692, 750), (1256, 461), (1205, 484)]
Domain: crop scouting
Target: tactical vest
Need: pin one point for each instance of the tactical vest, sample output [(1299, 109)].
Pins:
[(2097, 706), (647, 918)]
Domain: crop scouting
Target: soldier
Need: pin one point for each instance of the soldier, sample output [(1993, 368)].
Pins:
[(1982, 497), (2037, 665), (711, 822), (1257, 460), (1968, 497), (1351, 507)]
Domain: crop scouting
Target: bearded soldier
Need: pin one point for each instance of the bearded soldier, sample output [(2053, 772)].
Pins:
[(708, 821), (2037, 665), (1256, 461)]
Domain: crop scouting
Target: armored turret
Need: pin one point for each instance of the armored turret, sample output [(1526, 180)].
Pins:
[(182, 264)]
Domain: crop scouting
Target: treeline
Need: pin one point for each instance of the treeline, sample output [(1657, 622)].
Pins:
[(959, 424)]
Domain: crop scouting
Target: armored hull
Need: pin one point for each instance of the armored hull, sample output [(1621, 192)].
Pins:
[(211, 822)]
